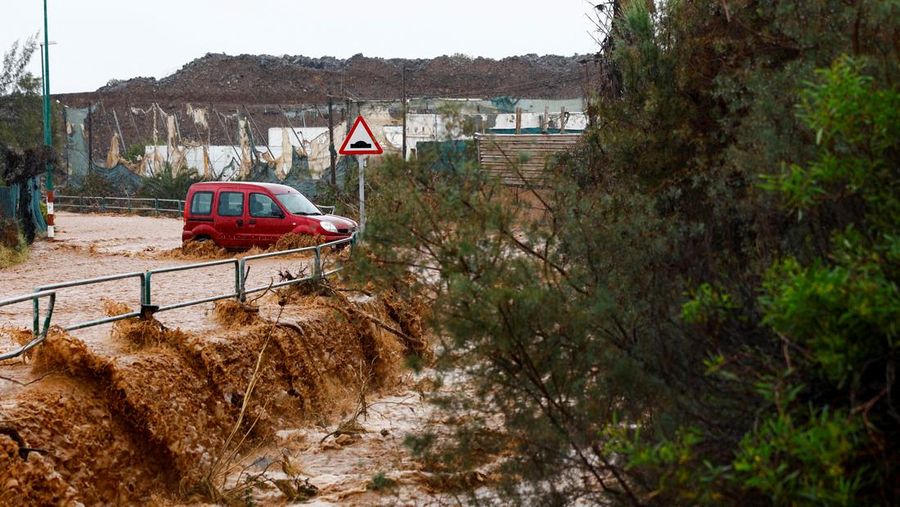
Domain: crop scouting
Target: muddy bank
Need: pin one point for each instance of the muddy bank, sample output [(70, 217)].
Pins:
[(167, 420)]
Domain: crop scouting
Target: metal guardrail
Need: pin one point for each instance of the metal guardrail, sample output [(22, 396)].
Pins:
[(146, 290), (133, 204), (147, 299), (129, 204), (318, 270), (90, 281), (38, 334)]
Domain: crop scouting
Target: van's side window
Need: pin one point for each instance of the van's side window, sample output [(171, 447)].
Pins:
[(262, 206), (201, 203), (231, 204)]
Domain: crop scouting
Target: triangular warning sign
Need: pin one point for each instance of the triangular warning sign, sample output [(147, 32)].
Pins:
[(360, 141)]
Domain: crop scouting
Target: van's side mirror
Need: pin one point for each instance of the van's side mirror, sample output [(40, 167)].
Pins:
[(279, 213)]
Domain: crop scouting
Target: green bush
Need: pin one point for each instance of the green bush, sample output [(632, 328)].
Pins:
[(169, 184), (135, 152), (13, 248)]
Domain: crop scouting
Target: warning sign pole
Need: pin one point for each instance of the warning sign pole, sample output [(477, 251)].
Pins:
[(362, 192)]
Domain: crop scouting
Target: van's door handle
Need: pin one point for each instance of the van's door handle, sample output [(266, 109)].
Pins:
[(252, 221), (240, 223)]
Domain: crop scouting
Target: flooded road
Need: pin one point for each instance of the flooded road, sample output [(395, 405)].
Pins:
[(92, 391), (93, 245)]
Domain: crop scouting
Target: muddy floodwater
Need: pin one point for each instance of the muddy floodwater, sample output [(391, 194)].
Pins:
[(91, 246), (301, 397)]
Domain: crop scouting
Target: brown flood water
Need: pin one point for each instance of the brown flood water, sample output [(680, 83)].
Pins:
[(134, 413)]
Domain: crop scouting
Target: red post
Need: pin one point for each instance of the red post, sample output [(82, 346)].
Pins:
[(50, 201)]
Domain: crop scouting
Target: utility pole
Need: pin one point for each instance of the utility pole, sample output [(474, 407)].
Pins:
[(119, 128), (403, 92), (331, 150), (347, 112), (48, 134), (587, 92), (90, 123)]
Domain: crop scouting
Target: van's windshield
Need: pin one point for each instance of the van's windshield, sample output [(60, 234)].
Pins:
[(297, 204)]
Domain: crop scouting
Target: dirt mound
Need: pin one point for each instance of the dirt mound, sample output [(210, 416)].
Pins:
[(265, 79), (170, 418)]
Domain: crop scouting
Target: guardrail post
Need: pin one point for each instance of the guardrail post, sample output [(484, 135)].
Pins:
[(145, 289), (317, 266), (51, 304), (102, 203), (239, 282), (156, 205), (37, 317), (147, 308), (38, 333)]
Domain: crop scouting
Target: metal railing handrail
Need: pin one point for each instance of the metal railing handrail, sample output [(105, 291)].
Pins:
[(238, 283), (146, 290), (101, 200), (105, 203), (317, 264), (38, 334), (90, 281), (120, 198)]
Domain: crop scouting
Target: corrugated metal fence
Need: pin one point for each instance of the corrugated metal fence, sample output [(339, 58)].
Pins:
[(521, 159), (9, 203)]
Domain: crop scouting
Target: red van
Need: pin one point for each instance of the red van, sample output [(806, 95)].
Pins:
[(243, 215)]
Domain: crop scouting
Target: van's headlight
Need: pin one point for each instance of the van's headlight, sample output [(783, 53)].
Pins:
[(328, 226)]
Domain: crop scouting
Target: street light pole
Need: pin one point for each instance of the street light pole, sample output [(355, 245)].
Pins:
[(48, 133)]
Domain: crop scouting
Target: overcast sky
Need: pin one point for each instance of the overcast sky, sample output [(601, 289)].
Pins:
[(99, 40)]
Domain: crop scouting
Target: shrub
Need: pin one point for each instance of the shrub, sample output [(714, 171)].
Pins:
[(708, 312), (13, 248)]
